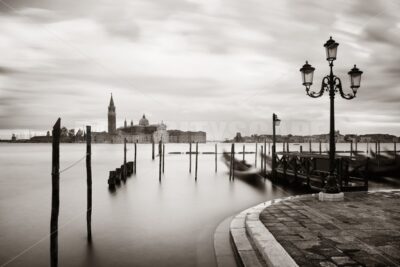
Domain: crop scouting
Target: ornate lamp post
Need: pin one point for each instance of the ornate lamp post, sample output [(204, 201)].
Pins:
[(331, 84), (275, 122)]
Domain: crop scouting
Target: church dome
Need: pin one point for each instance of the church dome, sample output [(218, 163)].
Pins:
[(143, 121)]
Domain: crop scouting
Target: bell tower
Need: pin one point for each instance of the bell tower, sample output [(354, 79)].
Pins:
[(112, 127)]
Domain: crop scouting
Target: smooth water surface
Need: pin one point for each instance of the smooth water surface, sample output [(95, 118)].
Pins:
[(143, 223)]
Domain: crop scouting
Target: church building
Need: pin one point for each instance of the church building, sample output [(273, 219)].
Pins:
[(143, 132)]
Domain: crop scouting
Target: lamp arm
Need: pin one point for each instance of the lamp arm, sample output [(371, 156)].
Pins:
[(324, 87), (339, 88)]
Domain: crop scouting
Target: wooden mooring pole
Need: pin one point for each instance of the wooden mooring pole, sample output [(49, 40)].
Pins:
[(309, 145), (231, 164), (197, 160), (216, 157), (262, 158), (287, 147), (135, 157), (163, 158), (125, 174), (55, 194), (269, 148), (265, 160), (160, 161), (89, 182), (351, 148), (320, 147), (244, 151), (255, 156), (301, 149), (152, 149), (395, 149), (190, 157)]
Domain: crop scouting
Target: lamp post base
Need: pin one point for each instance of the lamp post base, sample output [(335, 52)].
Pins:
[(331, 186), (322, 196)]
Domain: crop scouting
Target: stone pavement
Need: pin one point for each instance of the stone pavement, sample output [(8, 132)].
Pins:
[(362, 230)]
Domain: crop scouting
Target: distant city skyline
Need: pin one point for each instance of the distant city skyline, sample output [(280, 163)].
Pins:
[(213, 65)]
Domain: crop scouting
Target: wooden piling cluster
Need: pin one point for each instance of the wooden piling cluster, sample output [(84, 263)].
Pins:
[(55, 187), (124, 171)]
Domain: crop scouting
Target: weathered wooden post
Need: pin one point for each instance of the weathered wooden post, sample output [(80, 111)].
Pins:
[(320, 147), (367, 152), (118, 175), (265, 159), (216, 155), (124, 172), (190, 157), (376, 149), (262, 159), (55, 194), (160, 156), (269, 148), (197, 159), (301, 149), (351, 148), (395, 149), (233, 163), (244, 151), (255, 156), (111, 179), (309, 145), (283, 146), (135, 156), (152, 148), (89, 182), (287, 147), (163, 158)]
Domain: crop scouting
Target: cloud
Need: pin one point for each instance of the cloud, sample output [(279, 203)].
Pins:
[(215, 60)]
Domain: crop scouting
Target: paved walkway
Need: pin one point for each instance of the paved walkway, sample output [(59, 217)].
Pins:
[(362, 230)]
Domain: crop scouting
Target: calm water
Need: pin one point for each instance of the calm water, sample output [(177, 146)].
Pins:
[(144, 223)]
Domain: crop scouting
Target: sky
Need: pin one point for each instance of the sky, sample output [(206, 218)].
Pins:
[(221, 66)]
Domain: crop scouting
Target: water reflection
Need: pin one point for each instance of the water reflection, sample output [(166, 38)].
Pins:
[(90, 259)]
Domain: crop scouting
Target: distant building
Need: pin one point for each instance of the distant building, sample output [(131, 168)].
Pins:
[(144, 132), (177, 136)]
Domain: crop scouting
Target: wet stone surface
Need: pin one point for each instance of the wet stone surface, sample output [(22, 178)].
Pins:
[(362, 230)]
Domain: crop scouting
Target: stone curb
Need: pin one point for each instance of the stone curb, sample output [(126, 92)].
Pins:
[(247, 229), (244, 250), (258, 237)]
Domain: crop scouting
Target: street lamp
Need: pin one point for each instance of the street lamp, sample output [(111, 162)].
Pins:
[(275, 122), (331, 84)]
